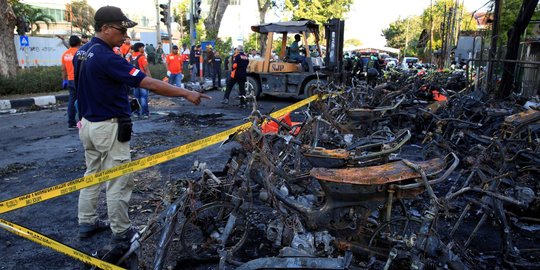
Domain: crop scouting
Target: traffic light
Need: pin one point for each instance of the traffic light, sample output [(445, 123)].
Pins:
[(197, 10), (165, 13)]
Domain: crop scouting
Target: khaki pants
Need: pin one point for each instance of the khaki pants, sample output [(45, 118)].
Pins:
[(103, 151)]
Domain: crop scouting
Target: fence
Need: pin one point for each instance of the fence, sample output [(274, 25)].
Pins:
[(526, 76)]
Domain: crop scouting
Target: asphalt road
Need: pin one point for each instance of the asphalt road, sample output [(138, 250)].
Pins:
[(38, 151)]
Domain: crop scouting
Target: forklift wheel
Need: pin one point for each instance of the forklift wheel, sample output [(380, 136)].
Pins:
[(252, 84)]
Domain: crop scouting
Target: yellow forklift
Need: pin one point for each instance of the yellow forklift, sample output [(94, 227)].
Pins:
[(284, 77)]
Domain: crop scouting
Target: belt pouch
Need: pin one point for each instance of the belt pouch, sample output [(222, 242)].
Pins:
[(124, 129)]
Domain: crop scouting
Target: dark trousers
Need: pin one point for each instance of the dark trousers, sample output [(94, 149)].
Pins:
[(71, 110), (241, 89), (216, 74)]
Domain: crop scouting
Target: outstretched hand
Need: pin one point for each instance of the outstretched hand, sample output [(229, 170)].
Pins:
[(195, 97)]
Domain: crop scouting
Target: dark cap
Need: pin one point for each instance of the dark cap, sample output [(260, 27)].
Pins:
[(113, 14), (174, 47)]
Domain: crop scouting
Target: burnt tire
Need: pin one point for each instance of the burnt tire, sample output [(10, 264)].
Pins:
[(310, 88), (197, 235), (252, 84)]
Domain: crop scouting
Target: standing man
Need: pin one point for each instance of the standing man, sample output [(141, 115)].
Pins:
[(185, 52), (238, 75), (216, 74), (102, 93), (174, 66), (138, 59), (151, 54), (84, 39), (126, 46), (194, 59), (68, 77), (209, 63), (159, 53)]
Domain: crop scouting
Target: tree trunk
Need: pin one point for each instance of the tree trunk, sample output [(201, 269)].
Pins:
[(263, 6), (512, 47), (213, 21), (8, 54)]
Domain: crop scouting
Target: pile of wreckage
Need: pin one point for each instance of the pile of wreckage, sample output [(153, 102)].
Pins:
[(405, 175)]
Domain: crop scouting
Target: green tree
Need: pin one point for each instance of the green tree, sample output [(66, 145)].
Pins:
[(180, 16), (353, 42), (8, 55), (433, 19), (404, 34), (82, 16), (252, 42), (526, 12), (213, 19), (318, 10), (35, 16)]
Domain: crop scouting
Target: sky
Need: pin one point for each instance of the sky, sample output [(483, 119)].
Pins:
[(367, 18)]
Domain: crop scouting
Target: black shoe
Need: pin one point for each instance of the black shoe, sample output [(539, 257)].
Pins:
[(125, 237), (243, 106), (225, 101), (72, 127), (87, 230)]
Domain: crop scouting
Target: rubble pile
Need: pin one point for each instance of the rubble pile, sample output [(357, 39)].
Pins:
[(415, 173)]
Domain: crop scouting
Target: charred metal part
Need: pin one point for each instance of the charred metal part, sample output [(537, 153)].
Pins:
[(378, 175), (298, 263), (321, 157), (367, 154), (513, 124)]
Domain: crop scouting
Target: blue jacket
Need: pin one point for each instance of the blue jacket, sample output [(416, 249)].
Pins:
[(102, 84)]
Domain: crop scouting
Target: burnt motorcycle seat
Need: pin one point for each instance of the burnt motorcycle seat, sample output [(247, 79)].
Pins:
[(378, 175)]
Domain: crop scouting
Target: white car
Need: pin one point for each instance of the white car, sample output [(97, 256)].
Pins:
[(408, 62), (391, 62)]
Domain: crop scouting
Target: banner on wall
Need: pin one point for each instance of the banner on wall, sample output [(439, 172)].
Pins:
[(40, 51)]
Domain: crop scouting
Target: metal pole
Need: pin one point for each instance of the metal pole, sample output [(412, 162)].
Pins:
[(406, 38), (192, 31), (158, 31), (169, 32)]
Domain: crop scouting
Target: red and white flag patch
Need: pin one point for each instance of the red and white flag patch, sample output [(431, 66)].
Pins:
[(134, 72)]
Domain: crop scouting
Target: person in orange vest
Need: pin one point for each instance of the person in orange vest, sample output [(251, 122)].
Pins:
[(68, 77), (175, 62), (124, 49), (138, 59)]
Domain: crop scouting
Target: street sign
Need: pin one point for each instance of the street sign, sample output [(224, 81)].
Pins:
[(24, 41)]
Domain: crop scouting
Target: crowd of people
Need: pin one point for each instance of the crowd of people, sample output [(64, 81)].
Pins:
[(180, 61)]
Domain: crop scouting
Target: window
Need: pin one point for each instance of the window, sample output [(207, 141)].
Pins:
[(235, 3), (57, 14)]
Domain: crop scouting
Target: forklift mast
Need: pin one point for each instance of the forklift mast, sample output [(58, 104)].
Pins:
[(334, 30)]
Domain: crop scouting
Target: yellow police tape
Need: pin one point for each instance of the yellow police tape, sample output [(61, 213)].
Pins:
[(106, 175), (43, 240), (133, 166)]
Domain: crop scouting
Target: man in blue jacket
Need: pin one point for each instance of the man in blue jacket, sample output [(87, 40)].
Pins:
[(103, 80)]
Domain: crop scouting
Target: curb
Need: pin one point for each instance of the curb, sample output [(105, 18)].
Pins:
[(7, 104)]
